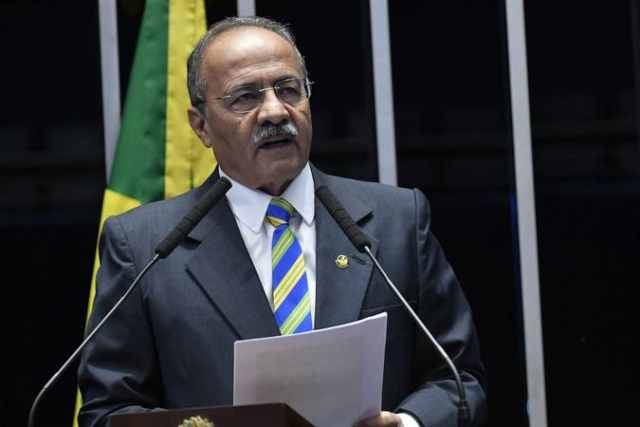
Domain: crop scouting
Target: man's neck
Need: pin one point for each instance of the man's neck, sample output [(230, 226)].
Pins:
[(275, 189)]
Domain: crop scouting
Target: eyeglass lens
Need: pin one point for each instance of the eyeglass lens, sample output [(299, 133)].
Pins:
[(290, 91)]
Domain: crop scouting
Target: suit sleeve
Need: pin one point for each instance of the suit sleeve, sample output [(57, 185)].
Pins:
[(443, 308), (119, 369)]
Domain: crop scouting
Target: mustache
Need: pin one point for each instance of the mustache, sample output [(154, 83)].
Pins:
[(269, 130)]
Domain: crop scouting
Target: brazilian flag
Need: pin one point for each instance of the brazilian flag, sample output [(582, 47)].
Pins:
[(158, 155)]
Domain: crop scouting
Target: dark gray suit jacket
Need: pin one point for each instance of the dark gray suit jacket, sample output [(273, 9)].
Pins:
[(171, 344)]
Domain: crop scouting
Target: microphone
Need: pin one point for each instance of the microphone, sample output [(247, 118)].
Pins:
[(361, 242), (168, 244), (193, 217)]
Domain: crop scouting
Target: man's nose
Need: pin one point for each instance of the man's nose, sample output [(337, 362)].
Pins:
[(272, 109)]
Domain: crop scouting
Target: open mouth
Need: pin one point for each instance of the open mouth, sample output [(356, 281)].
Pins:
[(276, 143)]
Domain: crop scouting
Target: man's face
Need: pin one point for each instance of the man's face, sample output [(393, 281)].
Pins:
[(258, 57)]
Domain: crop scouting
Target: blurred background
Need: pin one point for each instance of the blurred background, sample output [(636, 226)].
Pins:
[(453, 136)]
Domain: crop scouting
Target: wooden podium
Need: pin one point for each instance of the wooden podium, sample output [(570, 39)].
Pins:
[(265, 415)]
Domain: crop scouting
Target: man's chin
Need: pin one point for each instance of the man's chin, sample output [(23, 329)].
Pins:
[(279, 179)]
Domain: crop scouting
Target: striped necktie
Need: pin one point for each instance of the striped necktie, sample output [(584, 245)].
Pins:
[(291, 303)]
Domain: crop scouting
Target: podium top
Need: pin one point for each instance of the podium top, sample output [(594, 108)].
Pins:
[(264, 415)]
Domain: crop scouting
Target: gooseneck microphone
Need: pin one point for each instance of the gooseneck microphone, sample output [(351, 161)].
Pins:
[(163, 250), (361, 242), (193, 217)]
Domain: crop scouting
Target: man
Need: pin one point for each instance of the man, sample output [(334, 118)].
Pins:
[(171, 345)]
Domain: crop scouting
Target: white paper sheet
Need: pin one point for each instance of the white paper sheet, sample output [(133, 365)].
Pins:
[(332, 377)]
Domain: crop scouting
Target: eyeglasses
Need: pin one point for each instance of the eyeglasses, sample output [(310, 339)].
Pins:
[(247, 98)]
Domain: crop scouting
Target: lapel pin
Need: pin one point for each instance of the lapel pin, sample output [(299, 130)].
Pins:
[(342, 261)]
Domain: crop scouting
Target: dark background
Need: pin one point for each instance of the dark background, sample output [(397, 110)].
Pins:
[(452, 111)]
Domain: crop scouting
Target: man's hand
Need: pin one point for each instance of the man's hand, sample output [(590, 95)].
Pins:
[(383, 419)]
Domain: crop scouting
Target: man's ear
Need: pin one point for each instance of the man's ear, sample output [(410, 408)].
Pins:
[(199, 126)]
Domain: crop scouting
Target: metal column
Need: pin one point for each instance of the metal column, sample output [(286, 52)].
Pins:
[(110, 68), (383, 92), (527, 235), (246, 7)]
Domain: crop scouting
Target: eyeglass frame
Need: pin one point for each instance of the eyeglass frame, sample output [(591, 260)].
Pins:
[(305, 83)]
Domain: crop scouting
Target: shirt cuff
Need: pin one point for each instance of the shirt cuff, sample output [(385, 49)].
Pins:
[(408, 420)]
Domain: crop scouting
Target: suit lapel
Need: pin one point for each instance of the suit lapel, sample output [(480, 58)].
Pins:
[(223, 268), (340, 292)]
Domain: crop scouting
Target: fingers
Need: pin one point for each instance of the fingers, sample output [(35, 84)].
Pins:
[(383, 419)]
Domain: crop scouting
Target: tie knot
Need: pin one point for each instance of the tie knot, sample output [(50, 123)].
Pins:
[(279, 212)]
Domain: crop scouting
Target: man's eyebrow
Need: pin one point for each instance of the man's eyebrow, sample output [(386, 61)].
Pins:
[(274, 81), (243, 86), (285, 77)]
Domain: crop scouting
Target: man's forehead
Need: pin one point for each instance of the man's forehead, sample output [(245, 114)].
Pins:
[(246, 50), (237, 42)]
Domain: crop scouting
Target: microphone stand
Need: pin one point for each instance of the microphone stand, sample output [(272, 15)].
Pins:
[(163, 250), (463, 407), (54, 379), (357, 237)]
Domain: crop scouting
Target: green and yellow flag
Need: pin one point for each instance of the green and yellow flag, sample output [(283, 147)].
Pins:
[(158, 155)]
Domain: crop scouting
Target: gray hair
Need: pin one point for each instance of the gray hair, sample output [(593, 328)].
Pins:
[(196, 82)]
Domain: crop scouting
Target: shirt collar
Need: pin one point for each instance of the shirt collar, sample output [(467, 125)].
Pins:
[(250, 205)]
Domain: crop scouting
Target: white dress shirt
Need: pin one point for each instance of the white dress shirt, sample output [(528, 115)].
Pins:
[(249, 207)]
